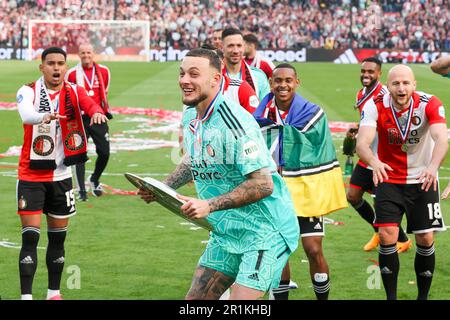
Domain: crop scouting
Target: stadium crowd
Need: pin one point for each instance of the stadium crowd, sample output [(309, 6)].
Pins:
[(392, 24)]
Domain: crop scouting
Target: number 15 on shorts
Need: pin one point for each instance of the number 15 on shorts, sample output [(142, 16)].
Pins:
[(70, 200)]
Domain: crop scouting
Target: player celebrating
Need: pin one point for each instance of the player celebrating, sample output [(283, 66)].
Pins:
[(95, 78), (412, 143), (54, 139), (236, 90), (240, 193), (361, 179), (253, 58), (235, 65), (308, 163)]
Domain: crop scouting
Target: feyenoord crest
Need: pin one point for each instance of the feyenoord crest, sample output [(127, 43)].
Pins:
[(74, 141), (43, 145), (416, 120), (210, 150), (22, 203), (91, 93)]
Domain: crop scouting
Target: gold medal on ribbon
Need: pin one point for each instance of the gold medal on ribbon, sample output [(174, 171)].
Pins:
[(90, 82), (404, 129)]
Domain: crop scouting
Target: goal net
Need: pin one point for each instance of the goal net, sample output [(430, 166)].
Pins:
[(113, 40)]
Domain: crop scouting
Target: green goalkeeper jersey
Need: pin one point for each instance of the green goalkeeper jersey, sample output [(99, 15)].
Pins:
[(224, 147)]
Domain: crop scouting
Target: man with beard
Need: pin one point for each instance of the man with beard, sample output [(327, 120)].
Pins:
[(236, 90), (235, 65), (240, 193), (361, 180), (412, 143)]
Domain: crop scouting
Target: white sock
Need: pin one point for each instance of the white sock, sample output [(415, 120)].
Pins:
[(52, 293), (26, 297)]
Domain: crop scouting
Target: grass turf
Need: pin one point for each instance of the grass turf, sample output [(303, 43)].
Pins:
[(122, 248)]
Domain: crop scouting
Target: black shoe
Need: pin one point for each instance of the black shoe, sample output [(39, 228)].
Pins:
[(82, 196), (96, 187)]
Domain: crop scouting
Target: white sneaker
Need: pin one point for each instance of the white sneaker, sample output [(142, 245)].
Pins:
[(96, 187)]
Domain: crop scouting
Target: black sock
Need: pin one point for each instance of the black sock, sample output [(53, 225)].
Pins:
[(402, 237), (321, 286), (282, 292), (389, 267), (55, 256), (28, 258), (366, 212), (424, 266), (80, 172)]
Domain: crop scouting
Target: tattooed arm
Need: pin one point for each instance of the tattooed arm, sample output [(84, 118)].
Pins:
[(178, 178), (258, 185), (181, 175)]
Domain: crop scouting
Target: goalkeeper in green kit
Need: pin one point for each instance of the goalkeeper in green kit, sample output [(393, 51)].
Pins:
[(240, 193)]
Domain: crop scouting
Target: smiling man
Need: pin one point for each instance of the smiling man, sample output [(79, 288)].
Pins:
[(240, 193), (95, 78), (412, 143), (235, 66), (307, 159), (361, 179), (54, 140)]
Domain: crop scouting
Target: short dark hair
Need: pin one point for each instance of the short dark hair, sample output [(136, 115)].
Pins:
[(213, 48), (285, 65), (50, 50), (214, 60), (230, 32), (251, 38), (374, 60)]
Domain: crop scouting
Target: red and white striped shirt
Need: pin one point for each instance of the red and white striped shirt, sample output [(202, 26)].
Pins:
[(261, 63), (30, 117), (91, 81), (361, 99), (241, 92), (407, 166)]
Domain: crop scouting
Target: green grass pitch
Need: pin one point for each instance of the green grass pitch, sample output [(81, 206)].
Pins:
[(118, 247)]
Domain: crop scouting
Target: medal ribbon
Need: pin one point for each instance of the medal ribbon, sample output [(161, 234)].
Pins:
[(91, 82), (196, 125), (366, 95), (404, 133)]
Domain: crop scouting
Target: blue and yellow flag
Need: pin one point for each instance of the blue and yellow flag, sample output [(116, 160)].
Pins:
[(307, 156)]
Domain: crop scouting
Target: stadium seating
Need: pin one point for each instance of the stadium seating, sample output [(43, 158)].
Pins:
[(281, 24)]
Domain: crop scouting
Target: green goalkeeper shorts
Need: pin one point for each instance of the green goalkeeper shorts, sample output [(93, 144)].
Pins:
[(259, 269)]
